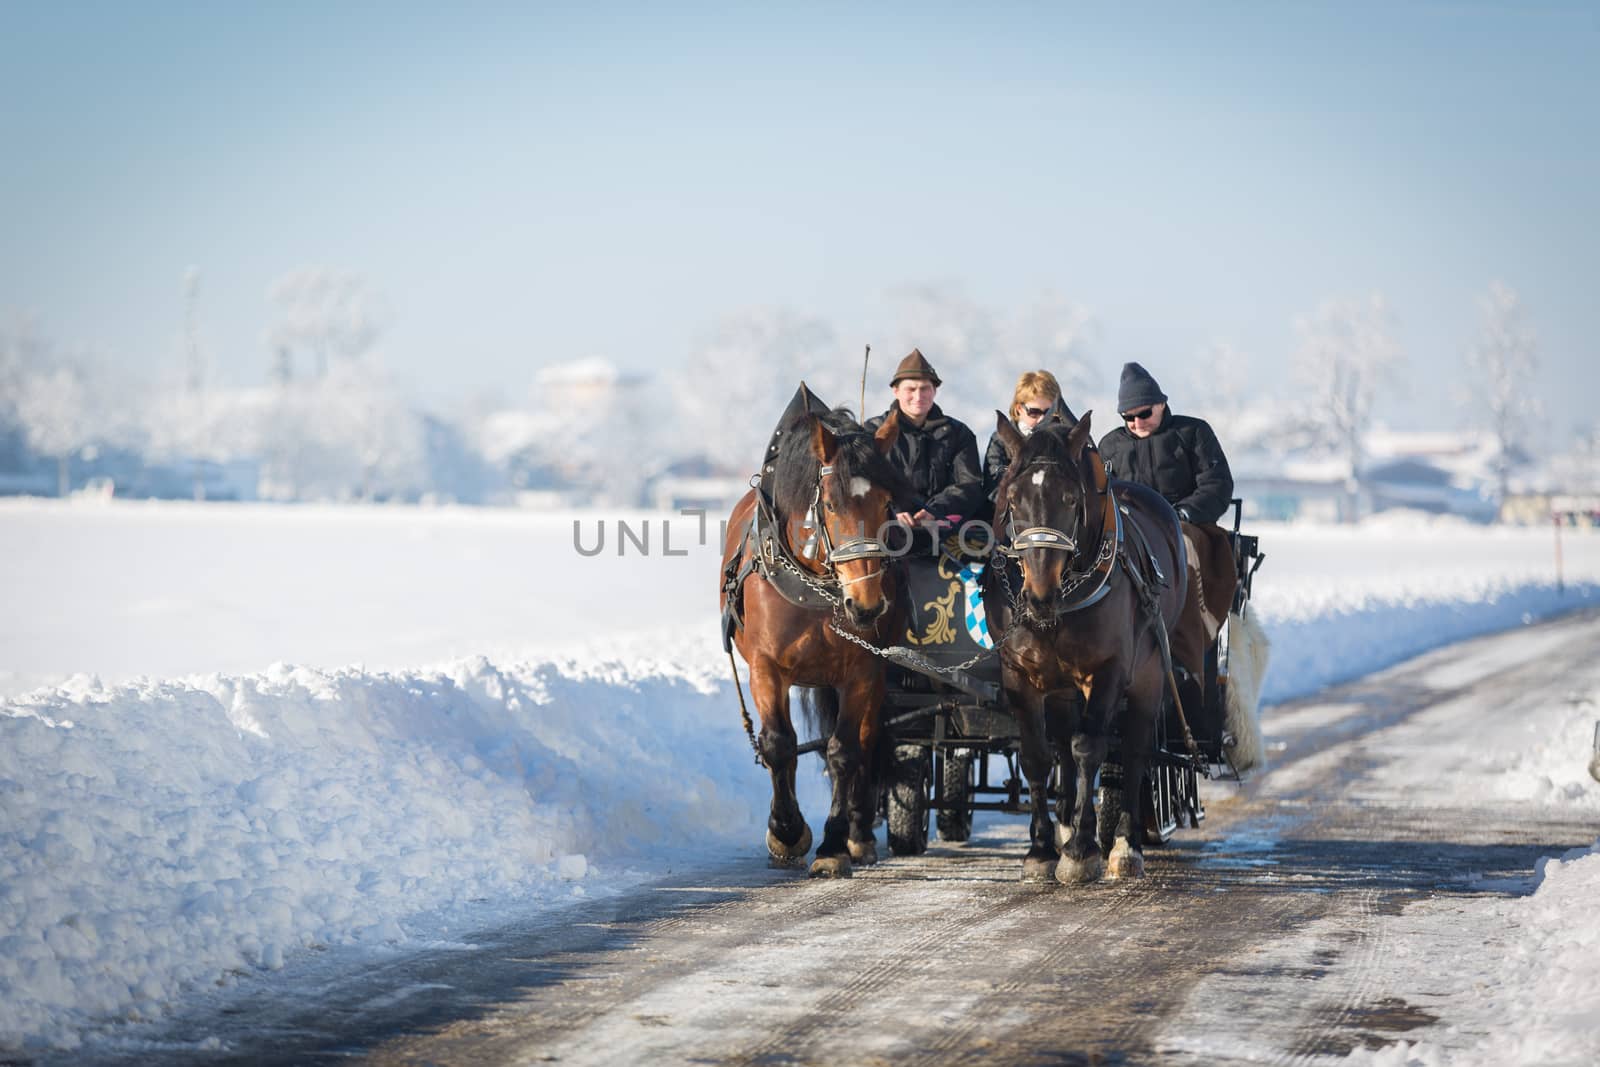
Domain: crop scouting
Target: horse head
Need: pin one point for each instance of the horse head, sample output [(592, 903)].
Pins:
[(1044, 503), (852, 498)]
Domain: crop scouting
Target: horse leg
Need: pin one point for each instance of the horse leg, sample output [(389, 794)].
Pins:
[(1036, 757), (1138, 742), (1080, 861), (1067, 785), (844, 766), (867, 693), (1066, 795), (788, 836)]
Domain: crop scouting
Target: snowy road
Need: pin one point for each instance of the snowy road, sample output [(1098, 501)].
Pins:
[(1272, 934)]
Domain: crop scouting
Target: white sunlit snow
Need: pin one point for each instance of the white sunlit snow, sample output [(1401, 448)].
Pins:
[(177, 804)]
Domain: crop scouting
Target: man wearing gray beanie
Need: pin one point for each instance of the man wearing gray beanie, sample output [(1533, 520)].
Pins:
[(1178, 456)]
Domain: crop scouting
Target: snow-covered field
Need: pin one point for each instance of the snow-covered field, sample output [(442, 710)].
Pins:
[(232, 733)]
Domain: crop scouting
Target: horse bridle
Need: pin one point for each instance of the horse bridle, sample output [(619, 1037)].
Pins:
[(1041, 536), (1048, 537), (848, 551)]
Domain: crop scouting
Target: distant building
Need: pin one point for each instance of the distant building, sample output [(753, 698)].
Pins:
[(1439, 473), (696, 482)]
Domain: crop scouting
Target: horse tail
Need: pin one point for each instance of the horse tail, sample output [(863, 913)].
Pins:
[(819, 711), (1248, 649)]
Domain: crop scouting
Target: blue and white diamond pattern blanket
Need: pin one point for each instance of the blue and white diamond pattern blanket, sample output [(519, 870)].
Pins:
[(977, 619)]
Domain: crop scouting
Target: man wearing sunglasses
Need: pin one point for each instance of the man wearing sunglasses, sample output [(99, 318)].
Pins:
[(1178, 456)]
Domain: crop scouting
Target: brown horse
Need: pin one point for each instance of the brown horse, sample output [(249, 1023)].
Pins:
[(1093, 555), (796, 597)]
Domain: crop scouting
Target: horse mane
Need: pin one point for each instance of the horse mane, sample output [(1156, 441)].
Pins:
[(796, 469)]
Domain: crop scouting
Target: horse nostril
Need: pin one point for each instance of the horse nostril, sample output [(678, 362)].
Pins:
[(863, 616)]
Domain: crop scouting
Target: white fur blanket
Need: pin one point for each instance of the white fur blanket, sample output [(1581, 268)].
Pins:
[(1248, 649)]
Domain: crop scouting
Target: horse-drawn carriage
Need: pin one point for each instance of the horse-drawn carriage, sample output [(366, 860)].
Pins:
[(948, 725), (1049, 652)]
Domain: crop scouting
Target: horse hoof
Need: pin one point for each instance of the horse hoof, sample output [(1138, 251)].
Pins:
[(1124, 862), (1072, 871), (863, 852), (830, 867), (1038, 870), (1063, 836), (784, 857)]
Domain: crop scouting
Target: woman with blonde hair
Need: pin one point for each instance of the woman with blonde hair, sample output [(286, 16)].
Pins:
[(1036, 391)]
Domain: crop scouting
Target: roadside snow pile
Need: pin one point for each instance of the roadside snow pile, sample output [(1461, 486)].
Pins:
[(1536, 999), (1339, 602), (1527, 985), (1331, 634), (158, 835)]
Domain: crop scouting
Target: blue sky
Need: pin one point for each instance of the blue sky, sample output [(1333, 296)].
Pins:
[(535, 183)]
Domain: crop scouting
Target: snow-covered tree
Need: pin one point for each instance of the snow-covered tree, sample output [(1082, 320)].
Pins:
[(184, 420), (980, 351), (53, 407), (1056, 334), (349, 435), (1347, 349), (1218, 389), (367, 413), (22, 350), (1217, 380), (60, 403), (735, 383), (959, 336), (1501, 366), (326, 312)]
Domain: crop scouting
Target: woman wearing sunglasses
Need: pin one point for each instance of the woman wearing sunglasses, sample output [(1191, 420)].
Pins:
[(1036, 391), (1178, 456)]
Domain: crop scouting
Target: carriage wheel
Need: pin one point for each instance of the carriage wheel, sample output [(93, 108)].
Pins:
[(955, 785), (1108, 814), (908, 801)]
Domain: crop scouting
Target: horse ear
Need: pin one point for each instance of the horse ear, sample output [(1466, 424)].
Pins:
[(1059, 412), (1078, 436), (1006, 430), (888, 432), (823, 443)]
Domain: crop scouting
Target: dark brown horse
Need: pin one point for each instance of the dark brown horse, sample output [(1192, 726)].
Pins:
[(796, 604), (1083, 639)]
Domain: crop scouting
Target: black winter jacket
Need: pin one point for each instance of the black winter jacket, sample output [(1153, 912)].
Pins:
[(995, 462), (1182, 461), (940, 457)]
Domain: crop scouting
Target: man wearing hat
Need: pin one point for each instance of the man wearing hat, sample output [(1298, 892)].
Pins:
[(936, 452), (1178, 456)]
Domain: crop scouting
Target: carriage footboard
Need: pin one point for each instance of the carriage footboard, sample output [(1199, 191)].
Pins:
[(985, 692)]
